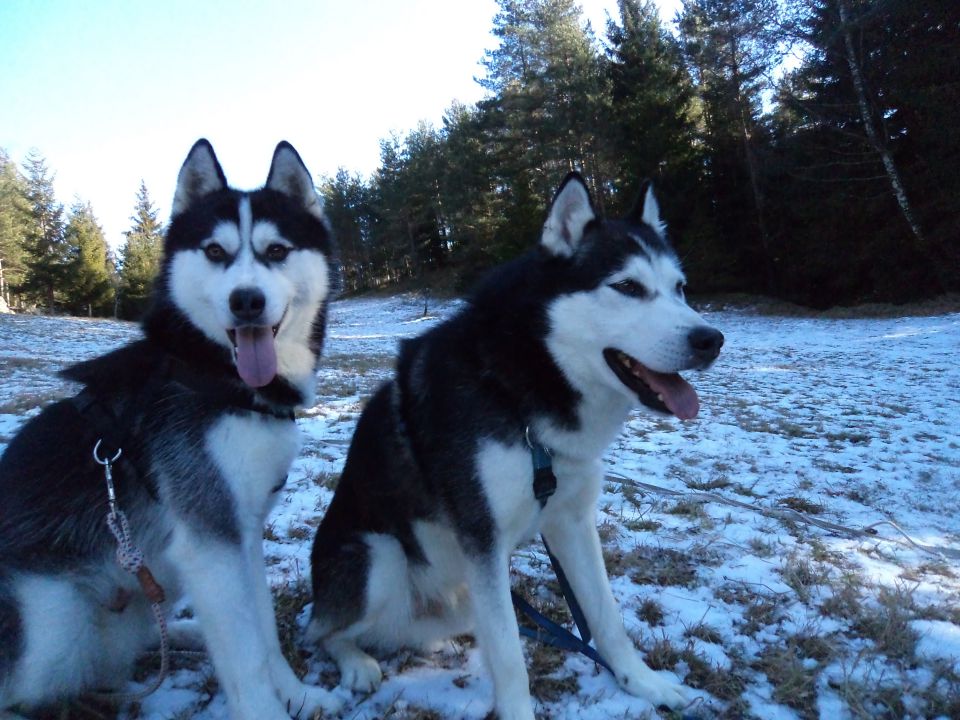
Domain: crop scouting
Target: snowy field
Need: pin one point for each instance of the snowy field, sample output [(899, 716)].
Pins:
[(793, 553)]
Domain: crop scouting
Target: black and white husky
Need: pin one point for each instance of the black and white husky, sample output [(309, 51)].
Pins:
[(438, 487), (202, 409)]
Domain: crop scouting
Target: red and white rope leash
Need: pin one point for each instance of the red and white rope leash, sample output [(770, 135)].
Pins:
[(130, 558)]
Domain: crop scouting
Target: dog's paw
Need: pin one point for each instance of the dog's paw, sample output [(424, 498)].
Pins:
[(310, 700), (659, 690), (360, 673)]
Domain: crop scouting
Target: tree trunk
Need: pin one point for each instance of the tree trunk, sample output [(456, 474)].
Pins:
[(878, 143)]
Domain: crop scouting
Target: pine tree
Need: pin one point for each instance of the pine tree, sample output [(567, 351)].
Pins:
[(88, 285), (866, 127), (548, 95), (140, 257), (14, 224), (47, 253), (731, 48), (347, 207), (652, 127)]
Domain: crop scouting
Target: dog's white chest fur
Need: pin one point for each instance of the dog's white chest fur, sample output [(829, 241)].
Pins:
[(253, 452)]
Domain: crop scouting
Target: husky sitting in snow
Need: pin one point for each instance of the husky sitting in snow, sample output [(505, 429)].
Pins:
[(554, 348), (199, 418)]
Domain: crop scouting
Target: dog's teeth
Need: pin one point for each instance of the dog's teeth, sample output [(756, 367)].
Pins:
[(660, 397)]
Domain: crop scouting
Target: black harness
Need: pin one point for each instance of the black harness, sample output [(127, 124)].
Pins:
[(116, 429), (544, 486)]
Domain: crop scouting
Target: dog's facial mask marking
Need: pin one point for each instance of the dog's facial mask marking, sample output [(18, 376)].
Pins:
[(245, 302), (649, 333)]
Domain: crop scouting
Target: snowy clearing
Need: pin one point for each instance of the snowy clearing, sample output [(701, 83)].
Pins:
[(721, 579)]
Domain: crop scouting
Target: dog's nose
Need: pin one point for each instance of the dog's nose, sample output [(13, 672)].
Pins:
[(247, 304), (705, 342)]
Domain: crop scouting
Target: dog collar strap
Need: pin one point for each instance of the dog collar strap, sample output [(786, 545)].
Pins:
[(220, 391)]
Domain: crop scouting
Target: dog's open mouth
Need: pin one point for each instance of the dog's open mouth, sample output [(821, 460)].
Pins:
[(255, 352), (664, 392)]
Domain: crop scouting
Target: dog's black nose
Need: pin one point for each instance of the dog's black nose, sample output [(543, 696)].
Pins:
[(247, 304), (706, 343)]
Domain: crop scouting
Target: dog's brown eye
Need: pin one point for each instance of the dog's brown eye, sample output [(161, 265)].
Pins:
[(631, 288), (277, 252), (215, 252)]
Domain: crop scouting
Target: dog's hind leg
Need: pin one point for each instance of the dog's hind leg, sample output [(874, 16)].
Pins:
[(359, 671), (382, 603), (570, 529)]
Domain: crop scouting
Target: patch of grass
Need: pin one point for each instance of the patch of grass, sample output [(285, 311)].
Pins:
[(300, 532), (804, 576), (327, 480), (289, 600), (25, 402), (726, 684), (704, 632), (608, 531), (662, 655), (845, 438), (647, 565), (846, 597), (690, 509), (651, 612), (641, 525), (761, 546), (888, 624), (760, 613), (794, 682), (543, 666), (716, 483), (801, 505)]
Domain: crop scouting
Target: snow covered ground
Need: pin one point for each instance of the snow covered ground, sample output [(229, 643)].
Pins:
[(721, 576)]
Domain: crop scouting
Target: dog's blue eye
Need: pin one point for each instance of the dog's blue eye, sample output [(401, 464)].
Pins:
[(215, 252), (631, 288), (277, 252)]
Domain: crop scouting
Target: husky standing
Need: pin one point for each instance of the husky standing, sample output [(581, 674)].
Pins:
[(554, 348), (202, 410)]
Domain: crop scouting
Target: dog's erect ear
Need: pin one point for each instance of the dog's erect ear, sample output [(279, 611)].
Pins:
[(200, 175), (646, 210), (569, 214), (290, 176)]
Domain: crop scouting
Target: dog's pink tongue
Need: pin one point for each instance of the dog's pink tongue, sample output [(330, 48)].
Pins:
[(256, 355), (678, 395)]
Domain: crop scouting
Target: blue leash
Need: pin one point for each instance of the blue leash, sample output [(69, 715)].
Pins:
[(547, 631)]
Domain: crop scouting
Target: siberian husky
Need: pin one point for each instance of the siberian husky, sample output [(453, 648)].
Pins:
[(554, 348), (201, 410)]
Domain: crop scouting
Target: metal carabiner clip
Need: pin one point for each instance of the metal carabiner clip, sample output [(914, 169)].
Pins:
[(107, 473)]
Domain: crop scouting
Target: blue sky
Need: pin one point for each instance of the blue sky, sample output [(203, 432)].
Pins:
[(111, 92)]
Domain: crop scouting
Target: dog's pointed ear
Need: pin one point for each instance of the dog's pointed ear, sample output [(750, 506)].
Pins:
[(646, 210), (200, 175), (570, 212), (290, 176)]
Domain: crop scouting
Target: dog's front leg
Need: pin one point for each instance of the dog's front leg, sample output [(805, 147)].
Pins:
[(301, 700), (570, 529), (217, 576), (498, 635)]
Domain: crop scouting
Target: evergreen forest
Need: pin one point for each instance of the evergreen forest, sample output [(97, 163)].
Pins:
[(800, 149)]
